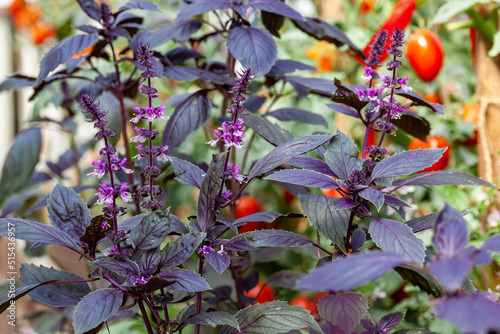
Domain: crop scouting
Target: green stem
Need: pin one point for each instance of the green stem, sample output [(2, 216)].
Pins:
[(487, 27)]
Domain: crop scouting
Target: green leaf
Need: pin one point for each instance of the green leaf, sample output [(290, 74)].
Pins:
[(20, 162), (495, 49), (454, 7)]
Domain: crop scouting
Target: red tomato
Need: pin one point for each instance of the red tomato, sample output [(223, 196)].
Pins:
[(266, 295), (366, 6), (248, 205), (308, 304), (471, 114), (331, 193), (425, 53), (432, 142)]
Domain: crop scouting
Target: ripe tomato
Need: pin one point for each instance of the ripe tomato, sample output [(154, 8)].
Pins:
[(266, 295), (471, 114), (425, 53), (248, 205), (432, 142), (302, 300), (41, 31)]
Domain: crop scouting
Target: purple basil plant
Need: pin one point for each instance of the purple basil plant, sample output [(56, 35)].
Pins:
[(146, 261)]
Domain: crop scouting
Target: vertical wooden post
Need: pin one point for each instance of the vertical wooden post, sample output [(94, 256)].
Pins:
[(487, 93)]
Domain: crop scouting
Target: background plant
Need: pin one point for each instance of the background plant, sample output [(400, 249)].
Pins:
[(146, 271)]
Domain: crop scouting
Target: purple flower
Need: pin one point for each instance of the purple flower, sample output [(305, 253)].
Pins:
[(100, 169), (140, 138), (206, 249), (105, 194), (231, 134), (91, 107), (105, 224), (162, 156), (232, 172), (124, 194), (376, 49), (141, 280), (221, 251)]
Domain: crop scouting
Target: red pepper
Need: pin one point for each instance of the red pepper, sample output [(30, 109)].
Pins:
[(473, 44), (398, 19)]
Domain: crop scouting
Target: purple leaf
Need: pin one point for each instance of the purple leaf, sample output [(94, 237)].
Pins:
[(358, 239), (323, 31), (209, 192), (179, 250), (285, 152), (271, 132), (395, 237), (406, 163), (177, 225), (91, 8), (139, 4), (477, 256), (214, 319), (474, 313), (266, 238), (151, 231), (443, 177), (200, 7), (285, 279), (255, 48), (415, 330), (17, 81), (412, 124), (266, 217), (351, 271), (389, 322), (186, 118), (187, 173), (68, 212), (178, 55), (304, 178), (219, 261), (492, 244), (312, 164), (131, 222), (272, 22), (342, 156), (298, 115), (345, 310), (319, 86), (186, 73), (276, 238), (123, 267), (283, 66), (56, 295), (422, 278), (177, 31), (95, 308), (393, 200), (345, 95), (343, 203), (254, 102), (450, 234), (63, 51), (419, 101), (428, 221), (329, 222), (451, 272), (8, 299), (24, 152), (34, 231), (149, 262), (185, 280), (272, 317), (374, 196), (343, 110), (276, 7)]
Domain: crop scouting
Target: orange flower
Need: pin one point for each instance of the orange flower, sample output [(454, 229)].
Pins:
[(323, 53), (26, 15), (41, 31)]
